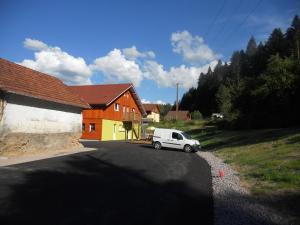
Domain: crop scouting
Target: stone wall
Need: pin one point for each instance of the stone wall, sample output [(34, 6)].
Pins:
[(21, 142)]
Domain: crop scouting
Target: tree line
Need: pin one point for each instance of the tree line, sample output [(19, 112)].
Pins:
[(259, 87)]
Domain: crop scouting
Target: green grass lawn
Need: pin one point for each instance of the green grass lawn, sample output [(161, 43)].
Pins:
[(180, 125), (268, 161)]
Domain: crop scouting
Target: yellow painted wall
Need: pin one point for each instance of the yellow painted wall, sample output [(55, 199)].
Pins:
[(108, 129), (154, 116)]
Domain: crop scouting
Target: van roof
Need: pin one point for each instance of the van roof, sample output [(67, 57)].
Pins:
[(180, 131)]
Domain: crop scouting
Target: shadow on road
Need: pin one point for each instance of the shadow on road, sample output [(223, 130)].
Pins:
[(163, 149), (93, 191)]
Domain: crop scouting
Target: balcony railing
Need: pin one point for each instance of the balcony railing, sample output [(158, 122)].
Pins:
[(132, 116)]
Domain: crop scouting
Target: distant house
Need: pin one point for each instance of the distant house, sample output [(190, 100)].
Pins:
[(153, 112), (116, 111), (34, 103), (217, 116), (182, 115)]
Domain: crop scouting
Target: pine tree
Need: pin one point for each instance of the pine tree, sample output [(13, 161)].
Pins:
[(235, 66), (293, 38), (276, 43), (251, 47)]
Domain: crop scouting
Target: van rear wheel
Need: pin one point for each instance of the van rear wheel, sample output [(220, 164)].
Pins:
[(188, 148), (157, 145)]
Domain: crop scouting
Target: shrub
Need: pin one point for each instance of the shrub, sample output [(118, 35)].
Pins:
[(196, 115)]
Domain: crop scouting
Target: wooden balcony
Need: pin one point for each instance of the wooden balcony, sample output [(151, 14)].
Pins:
[(132, 116)]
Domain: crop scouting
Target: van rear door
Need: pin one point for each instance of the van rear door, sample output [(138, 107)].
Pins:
[(165, 138)]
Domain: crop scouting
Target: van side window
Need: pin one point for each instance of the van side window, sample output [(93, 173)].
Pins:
[(176, 136)]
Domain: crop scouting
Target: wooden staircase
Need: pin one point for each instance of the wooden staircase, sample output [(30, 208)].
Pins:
[(133, 123)]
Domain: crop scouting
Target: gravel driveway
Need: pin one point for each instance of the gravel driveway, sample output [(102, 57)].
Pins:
[(233, 204)]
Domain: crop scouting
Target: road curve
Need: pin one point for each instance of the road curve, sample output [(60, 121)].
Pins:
[(120, 183)]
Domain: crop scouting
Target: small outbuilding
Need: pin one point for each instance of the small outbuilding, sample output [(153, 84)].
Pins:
[(37, 111), (182, 115)]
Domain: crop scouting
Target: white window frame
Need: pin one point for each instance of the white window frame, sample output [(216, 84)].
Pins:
[(117, 107), (90, 127)]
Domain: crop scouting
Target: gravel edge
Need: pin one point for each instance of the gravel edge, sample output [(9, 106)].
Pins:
[(233, 203)]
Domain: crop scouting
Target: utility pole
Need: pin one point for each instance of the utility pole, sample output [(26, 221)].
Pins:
[(177, 101), (298, 52)]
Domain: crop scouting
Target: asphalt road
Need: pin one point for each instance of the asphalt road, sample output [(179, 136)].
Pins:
[(120, 183)]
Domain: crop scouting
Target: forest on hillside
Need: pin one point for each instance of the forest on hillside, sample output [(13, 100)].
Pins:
[(258, 88)]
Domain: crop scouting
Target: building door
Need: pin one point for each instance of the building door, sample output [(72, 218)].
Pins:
[(115, 132)]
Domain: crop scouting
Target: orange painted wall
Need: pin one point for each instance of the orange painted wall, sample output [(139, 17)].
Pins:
[(96, 115), (86, 134), (126, 100)]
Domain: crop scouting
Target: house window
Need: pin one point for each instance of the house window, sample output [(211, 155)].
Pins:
[(117, 106), (124, 109), (83, 127), (133, 109), (127, 109), (92, 127)]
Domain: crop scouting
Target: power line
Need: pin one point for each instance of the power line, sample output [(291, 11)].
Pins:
[(244, 21), (215, 18), (219, 34)]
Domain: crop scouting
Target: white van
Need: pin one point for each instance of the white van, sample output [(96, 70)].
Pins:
[(171, 138)]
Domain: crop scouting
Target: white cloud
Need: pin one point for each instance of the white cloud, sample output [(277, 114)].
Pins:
[(132, 53), (160, 102), (116, 67), (145, 101), (193, 49), (126, 65), (54, 61), (35, 45), (187, 77)]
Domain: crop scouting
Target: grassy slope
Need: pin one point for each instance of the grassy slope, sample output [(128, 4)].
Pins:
[(268, 160)]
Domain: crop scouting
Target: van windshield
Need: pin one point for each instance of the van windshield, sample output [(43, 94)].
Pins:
[(187, 136)]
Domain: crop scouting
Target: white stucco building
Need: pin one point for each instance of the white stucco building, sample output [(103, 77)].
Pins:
[(35, 103)]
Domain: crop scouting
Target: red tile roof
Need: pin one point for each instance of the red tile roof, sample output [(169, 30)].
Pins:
[(20, 80), (151, 107), (105, 94)]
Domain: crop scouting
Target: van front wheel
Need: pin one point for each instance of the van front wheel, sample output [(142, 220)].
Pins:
[(188, 148), (157, 145)]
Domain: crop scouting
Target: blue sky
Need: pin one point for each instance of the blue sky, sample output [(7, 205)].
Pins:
[(153, 44)]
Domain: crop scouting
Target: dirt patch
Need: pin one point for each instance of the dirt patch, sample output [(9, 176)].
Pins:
[(16, 144)]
